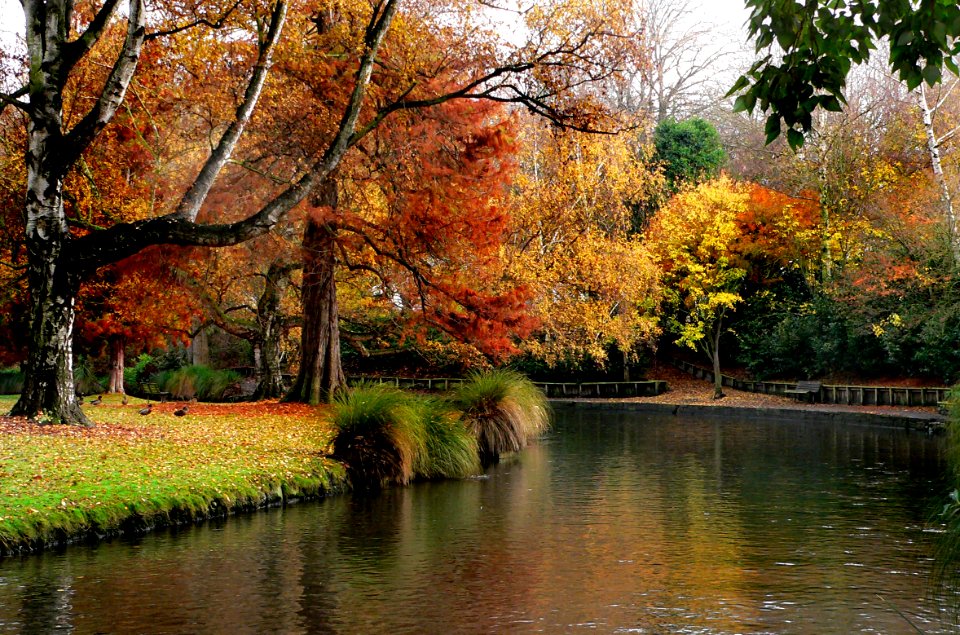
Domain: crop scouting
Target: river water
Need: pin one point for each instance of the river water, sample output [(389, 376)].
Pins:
[(613, 523)]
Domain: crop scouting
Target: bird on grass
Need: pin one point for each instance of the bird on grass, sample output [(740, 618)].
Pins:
[(124, 401), (181, 412), (97, 401), (79, 398), (147, 410)]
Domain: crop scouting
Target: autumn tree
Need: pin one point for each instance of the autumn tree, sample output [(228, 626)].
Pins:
[(418, 220), (593, 285), (571, 47), (139, 304), (59, 43), (251, 291), (693, 238), (565, 51)]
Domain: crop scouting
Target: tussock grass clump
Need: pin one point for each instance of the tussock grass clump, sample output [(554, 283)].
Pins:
[(201, 382), (380, 435), (11, 382), (451, 450), (503, 410)]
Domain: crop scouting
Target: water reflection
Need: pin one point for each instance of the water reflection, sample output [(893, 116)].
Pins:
[(613, 523)]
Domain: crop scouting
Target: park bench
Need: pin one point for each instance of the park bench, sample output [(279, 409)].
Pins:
[(150, 390), (806, 389)]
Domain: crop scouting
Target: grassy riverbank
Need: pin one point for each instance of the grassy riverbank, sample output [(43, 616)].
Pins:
[(133, 472)]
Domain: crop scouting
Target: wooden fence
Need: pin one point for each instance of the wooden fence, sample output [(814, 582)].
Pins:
[(832, 394), (647, 388)]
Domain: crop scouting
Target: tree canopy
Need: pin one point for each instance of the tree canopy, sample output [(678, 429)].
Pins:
[(806, 51), (690, 151)]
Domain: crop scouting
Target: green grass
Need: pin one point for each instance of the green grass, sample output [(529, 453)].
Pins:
[(132, 472)]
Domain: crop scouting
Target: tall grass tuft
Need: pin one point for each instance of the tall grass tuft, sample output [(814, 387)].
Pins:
[(451, 450), (503, 410), (201, 382), (11, 382), (380, 436), (85, 380)]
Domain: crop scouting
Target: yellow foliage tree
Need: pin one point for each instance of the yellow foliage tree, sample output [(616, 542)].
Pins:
[(693, 239), (592, 284)]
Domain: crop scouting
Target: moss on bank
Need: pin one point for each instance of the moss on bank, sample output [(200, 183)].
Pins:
[(133, 473)]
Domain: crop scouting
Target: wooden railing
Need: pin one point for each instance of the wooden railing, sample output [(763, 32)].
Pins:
[(832, 394), (647, 388)]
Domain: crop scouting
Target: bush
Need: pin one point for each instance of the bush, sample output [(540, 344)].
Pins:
[(503, 410), (380, 436), (11, 382), (451, 451), (201, 382), (140, 371), (85, 381)]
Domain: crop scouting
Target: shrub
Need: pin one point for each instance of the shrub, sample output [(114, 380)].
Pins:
[(451, 450), (140, 371), (201, 382), (85, 380), (380, 436), (11, 382), (503, 410)]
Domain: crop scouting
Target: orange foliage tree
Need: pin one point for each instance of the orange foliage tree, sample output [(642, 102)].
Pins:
[(717, 243), (593, 285), (212, 60)]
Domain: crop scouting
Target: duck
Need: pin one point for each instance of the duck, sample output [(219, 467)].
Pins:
[(147, 410), (181, 412), (124, 401), (97, 401)]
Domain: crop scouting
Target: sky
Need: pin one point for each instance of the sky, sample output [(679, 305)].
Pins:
[(727, 14)]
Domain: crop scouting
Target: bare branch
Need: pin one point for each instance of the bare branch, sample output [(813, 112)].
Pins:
[(74, 51), (77, 140), (215, 24), (191, 201), (12, 99)]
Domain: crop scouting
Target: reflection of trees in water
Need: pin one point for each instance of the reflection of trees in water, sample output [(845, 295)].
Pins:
[(46, 603)]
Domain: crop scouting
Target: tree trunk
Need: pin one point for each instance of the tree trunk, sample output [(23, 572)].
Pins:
[(200, 348), (946, 202), (48, 378), (269, 375), (714, 354), (116, 364), (271, 322), (321, 373)]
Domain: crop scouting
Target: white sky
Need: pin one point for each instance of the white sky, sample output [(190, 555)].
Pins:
[(11, 22), (728, 14)]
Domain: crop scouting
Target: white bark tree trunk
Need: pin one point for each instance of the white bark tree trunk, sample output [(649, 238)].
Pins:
[(933, 147)]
